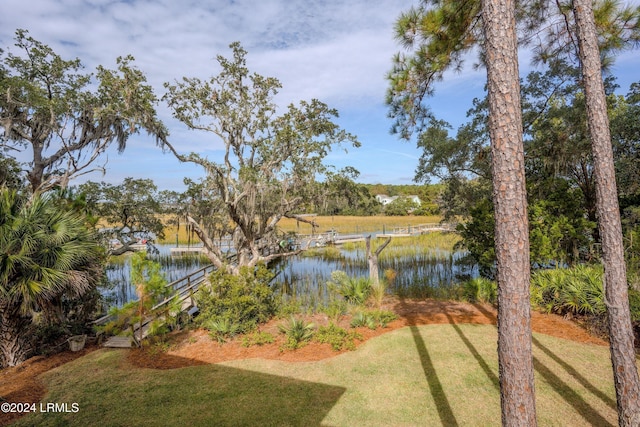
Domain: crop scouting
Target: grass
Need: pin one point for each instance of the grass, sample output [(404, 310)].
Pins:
[(426, 375), (436, 244), (343, 224)]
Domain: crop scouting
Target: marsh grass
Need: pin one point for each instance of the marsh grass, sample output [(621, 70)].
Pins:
[(415, 376)]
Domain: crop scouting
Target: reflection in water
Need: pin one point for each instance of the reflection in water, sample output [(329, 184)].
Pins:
[(423, 274), (429, 274)]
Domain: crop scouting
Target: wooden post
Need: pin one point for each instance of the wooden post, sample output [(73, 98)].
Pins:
[(372, 258)]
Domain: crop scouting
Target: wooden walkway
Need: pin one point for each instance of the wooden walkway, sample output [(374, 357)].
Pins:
[(183, 288), (334, 238)]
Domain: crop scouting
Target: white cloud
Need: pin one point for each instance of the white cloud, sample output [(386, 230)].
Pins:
[(334, 50)]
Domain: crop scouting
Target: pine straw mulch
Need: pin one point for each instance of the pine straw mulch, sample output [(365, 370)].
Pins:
[(194, 347)]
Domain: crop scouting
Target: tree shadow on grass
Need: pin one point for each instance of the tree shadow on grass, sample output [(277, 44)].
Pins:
[(569, 395), (563, 389), (575, 374), (194, 395), (476, 354), (435, 386)]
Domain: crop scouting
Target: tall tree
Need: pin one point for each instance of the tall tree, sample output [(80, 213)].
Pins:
[(45, 253), (510, 206), (67, 119), (269, 161), (626, 380), (440, 36)]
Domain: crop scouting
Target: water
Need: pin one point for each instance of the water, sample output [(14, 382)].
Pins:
[(425, 273), (119, 289)]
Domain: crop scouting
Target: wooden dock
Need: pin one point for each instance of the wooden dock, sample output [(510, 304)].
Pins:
[(184, 289), (184, 251)]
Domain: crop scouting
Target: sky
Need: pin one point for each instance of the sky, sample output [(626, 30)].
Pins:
[(334, 50)]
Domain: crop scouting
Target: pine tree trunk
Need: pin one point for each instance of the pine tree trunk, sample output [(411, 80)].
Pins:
[(623, 358), (515, 359), (15, 346)]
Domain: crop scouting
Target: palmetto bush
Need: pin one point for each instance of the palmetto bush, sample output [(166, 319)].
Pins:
[(576, 290), (297, 332), (355, 290)]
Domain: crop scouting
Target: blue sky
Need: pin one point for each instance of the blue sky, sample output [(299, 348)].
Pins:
[(334, 50)]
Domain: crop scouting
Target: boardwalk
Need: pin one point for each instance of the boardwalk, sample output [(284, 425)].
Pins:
[(183, 288)]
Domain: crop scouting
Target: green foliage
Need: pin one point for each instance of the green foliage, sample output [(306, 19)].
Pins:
[(339, 338), (67, 118), (131, 209), (297, 333), (222, 328), (335, 309), (478, 235), (151, 289), (372, 319), (49, 260), (276, 173), (362, 319), (480, 289), (383, 317), (258, 338), (355, 290), (289, 307), (577, 290), (400, 207), (339, 194), (245, 300)]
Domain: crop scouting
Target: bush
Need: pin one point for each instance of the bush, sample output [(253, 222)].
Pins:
[(355, 290), (257, 338), (372, 319), (362, 319), (480, 289), (222, 328), (298, 333), (243, 300), (335, 310), (576, 290), (337, 337), (383, 317)]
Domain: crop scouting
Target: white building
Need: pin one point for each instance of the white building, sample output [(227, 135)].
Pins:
[(385, 200)]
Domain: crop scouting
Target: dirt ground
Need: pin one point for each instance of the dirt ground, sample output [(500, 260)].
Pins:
[(22, 383)]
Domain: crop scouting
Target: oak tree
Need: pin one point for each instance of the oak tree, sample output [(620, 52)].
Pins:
[(268, 163), (62, 119)]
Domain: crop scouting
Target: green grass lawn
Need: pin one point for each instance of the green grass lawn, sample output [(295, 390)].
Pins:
[(415, 376)]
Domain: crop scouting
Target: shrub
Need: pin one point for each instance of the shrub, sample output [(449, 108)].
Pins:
[(257, 338), (335, 310), (372, 319), (576, 290), (362, 318), (297, 332), (337, 337), (355, 290), (377, 292), (222, 328), (480, 289), (289, 308), (244, 300), (383, 317)]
